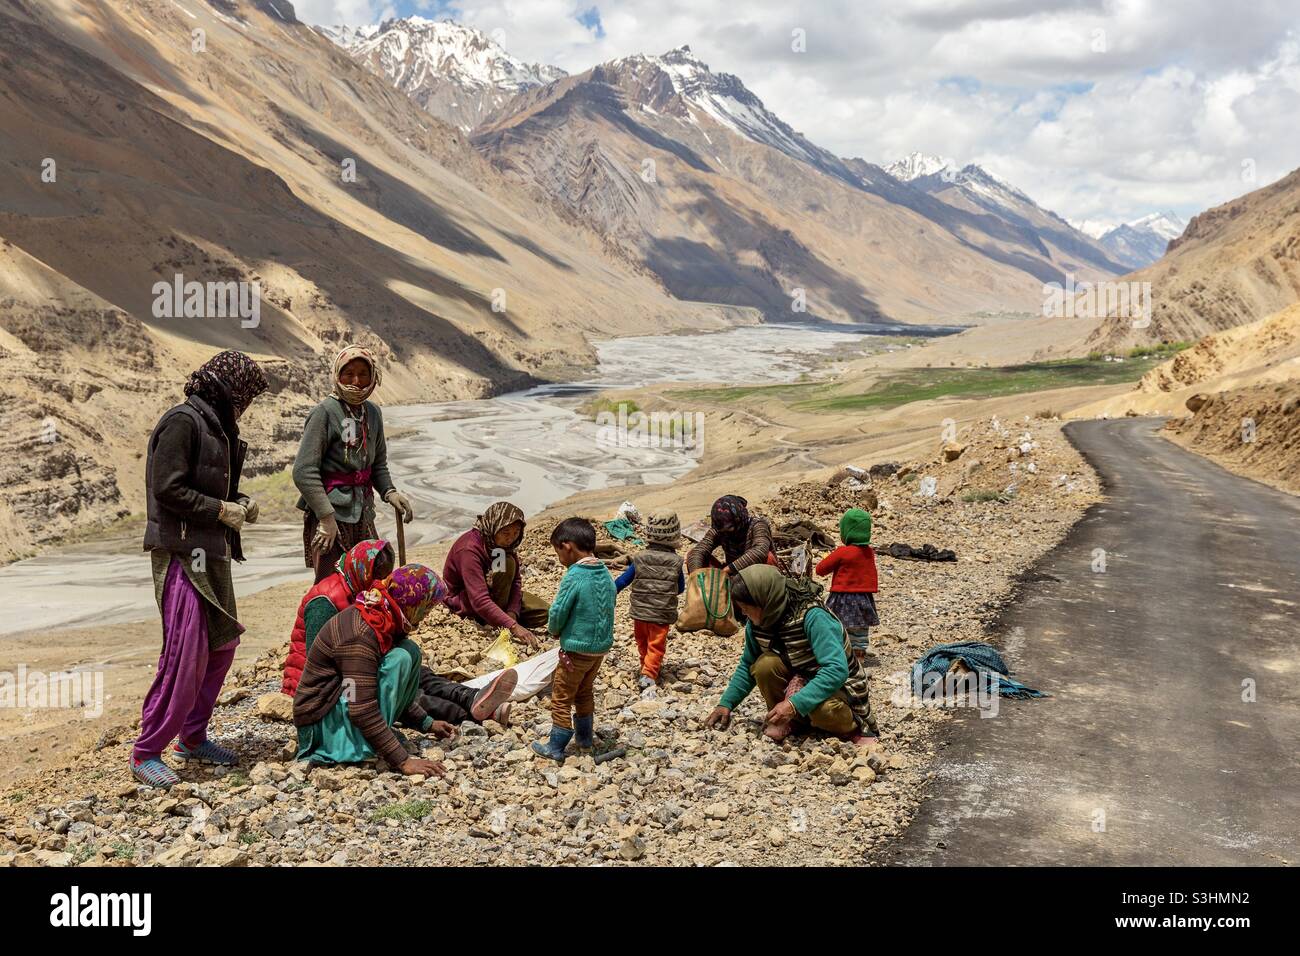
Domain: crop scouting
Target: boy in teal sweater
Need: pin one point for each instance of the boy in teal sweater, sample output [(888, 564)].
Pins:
[(582, 616)]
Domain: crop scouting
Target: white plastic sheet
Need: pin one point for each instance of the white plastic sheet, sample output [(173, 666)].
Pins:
[(535, 675)]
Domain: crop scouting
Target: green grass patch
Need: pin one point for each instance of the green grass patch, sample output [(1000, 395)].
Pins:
[(973, 496), (276, 496), (785, 392), (915, 385), (598, 406), (408, 810), (123, 851), (82, 853)]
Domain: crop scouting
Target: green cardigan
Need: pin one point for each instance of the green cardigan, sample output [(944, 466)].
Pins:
[(826, 635), (582, 614), (322, 449)]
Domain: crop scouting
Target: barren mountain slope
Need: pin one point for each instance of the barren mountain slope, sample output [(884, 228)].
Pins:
[(225, 164), (1234, 264), (725, 202)]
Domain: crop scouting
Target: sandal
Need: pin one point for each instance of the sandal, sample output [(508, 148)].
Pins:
[(207, 752), (496, 693), (154, 773)]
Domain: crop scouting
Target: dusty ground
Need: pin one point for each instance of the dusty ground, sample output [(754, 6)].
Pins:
[(680, 796)]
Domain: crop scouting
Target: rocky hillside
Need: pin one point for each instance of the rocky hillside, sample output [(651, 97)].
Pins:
[(134, 153), (1254, 430), (671, 793), (1234, 264)]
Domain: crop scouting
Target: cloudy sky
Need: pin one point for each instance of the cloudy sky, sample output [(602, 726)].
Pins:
[(1099, 109)]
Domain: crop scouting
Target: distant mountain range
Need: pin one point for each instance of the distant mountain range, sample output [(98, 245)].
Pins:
[(1137, 243), (687, 173)]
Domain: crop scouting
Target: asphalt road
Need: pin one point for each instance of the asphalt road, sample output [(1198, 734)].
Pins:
[(1146, 753)]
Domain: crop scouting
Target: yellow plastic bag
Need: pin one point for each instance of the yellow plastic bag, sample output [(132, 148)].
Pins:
[(501, 651)]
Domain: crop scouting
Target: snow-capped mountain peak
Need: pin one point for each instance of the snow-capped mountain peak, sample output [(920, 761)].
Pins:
[(457, 73), (916, 164), (1166, 225), (1138, 242), (720, 96), (412, 50)]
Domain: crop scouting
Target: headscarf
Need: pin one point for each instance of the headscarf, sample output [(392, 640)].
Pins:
[(855, 527), (357, 565), (229, 381), (730, 517), (396, 605), (348, 393), (500, 515), (767, 586)]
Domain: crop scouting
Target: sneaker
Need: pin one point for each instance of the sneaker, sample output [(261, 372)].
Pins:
[(644, 681), (154, 773), (207, 752), (494, 695), (502, 714)]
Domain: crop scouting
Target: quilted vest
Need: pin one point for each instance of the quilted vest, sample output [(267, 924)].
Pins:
[(654, 589), (214, 471), (788, 640)]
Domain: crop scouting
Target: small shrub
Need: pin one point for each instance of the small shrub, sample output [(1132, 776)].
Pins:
[(409, 810)]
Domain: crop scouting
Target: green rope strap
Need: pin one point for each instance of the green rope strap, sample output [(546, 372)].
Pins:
[(710, 596)]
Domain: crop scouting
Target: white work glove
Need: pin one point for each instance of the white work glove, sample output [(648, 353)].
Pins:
[(250, 509), (402, 503), (232, 515), (327, 532)]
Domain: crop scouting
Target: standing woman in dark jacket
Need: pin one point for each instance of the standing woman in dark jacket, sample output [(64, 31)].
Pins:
[(195, 511)]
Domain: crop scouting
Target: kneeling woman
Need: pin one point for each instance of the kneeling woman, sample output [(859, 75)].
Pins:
[(797, 653), (363, 675)]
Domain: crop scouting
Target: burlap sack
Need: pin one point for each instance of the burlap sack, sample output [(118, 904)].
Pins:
[(708, 604)]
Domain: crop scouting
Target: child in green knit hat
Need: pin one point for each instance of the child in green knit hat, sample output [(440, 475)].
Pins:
[(854, 581)]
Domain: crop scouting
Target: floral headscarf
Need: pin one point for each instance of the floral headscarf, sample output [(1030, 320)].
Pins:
[(229, 381), (730, 516), (500, 515), (397, 605), (357, 565), (349, 394)]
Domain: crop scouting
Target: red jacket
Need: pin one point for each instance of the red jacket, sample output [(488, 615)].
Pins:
[(853, 569), (333, 589)]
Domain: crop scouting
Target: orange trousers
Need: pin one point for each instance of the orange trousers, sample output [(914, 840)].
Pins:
[(652, 643)]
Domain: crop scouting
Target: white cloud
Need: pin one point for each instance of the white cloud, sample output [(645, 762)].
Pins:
[(1096, 108)]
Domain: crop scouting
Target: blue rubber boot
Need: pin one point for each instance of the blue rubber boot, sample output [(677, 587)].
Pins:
[(554, 747), (583, 727)]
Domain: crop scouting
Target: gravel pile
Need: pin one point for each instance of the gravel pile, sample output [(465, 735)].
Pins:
[(680, 795)]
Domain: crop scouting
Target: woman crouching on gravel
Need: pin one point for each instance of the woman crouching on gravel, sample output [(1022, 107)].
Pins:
[(341, 458), (363, 675), (797, 653), (194, 514)]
